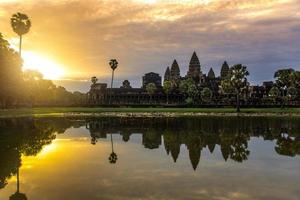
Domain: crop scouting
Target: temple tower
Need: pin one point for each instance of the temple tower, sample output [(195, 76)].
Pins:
[(211, 74), (224, 70), (167, 76), (175, 71), (194, 67)]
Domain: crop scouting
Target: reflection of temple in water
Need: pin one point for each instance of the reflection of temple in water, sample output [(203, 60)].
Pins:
[(28, 136), (196, 135)]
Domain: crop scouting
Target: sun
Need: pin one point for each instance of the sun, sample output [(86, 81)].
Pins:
[(50, 69)]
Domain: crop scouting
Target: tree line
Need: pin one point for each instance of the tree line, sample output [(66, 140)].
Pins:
[(28, 88)]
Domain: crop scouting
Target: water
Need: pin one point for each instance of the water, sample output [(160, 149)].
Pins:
[(121, 158)]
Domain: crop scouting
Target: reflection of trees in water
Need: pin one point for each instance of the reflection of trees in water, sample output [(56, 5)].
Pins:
[(113, 156), (28, 136), (24, 136), (230, 134), (288, 146)]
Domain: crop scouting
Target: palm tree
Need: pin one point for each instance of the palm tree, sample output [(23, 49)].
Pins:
[(113, 65), (94, 80), (113, 157), (21, 24)]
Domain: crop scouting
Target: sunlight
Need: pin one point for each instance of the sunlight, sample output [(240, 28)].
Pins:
[(47, 67), (150, 1), (48, 149), (189, 2)]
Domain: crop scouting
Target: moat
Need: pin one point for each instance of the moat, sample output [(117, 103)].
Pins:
[(150, 158)]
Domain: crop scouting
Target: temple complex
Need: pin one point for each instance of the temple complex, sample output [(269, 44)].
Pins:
[(100, 94)]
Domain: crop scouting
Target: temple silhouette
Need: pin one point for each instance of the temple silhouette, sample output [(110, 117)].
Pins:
[(100, 94)]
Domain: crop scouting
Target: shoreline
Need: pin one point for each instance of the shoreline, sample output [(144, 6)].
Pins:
[(147, 112)]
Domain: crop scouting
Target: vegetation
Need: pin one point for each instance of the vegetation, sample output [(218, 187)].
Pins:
[(237, 81), (151, 88), (167, 88), (18, 88), (206, 95), (189, 88), (59, 111), (113, 65), (11, 74), (21, 24), (94, 79)]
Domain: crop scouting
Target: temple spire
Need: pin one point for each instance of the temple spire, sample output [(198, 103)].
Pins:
[(167, 76), (175, 71), (211, 74), (194, 67), (224, 70)]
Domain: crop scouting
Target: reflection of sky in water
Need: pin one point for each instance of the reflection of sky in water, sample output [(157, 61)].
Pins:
[(72, 168)]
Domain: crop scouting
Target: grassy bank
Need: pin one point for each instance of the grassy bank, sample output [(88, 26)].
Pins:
[(76, 111)]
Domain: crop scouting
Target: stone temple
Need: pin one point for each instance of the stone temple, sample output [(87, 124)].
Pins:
[(100, 94)]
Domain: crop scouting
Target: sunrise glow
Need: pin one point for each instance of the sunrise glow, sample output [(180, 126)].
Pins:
[(50, 69)]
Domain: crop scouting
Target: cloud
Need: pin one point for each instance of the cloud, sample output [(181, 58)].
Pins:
[(147, 35)]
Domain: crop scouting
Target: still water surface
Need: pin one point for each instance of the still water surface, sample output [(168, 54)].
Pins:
[(125, 158)]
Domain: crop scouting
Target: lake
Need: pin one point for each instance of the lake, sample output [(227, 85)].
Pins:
[(150, 158)]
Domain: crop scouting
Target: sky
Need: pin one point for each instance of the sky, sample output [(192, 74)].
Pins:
[(73, 40)]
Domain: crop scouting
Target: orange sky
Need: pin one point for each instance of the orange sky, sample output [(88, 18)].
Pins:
[(79, 37)]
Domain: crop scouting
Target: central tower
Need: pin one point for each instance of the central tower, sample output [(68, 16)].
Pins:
[(195, 68)]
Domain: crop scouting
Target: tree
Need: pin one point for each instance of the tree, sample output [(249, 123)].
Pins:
[(11, 74), (189, 88), (167, 88), (283, 77), (113, 65), (113, 157), (292, 92), (238, 81), (206, 94), (295, 79), (21, 25), (274, 93), (94, 80), (151, 88)]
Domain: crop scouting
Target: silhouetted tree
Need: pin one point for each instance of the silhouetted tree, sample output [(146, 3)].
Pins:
[(238, 81), (189, 88), (206, 94), (94, 80), (11, 74), (21, 25), (113, 157), (113, 65)]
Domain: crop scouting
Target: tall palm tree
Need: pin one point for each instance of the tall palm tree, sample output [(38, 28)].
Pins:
[(21, 24), (113, 65)]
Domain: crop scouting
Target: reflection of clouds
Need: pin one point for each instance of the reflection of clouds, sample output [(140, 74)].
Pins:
[(78, 170)]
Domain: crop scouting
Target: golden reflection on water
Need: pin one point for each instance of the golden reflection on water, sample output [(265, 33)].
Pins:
[(72, 168)]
